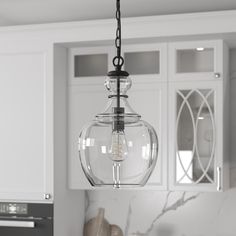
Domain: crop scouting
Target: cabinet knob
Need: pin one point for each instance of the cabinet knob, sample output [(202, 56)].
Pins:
[(47, 196), (217, 75)]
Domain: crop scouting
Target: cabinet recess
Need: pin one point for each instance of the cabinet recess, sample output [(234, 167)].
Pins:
[(195, 117)]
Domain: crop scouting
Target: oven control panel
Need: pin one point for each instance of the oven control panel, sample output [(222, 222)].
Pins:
[(13, 208)]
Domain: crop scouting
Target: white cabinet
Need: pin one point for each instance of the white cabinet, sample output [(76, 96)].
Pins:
[(146, 61), (150, 100), (148, 96), (86, 98), (24, 154), (84, 101), (33, 131), (198, 116), (196, 60), (147, 66), (183, 96)]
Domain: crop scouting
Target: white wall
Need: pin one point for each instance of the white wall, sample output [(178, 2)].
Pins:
[(153, 213)]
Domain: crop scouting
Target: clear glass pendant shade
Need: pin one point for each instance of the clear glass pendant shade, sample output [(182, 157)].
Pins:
[(118, 148)]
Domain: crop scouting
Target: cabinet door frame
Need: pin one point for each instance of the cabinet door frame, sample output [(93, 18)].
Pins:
[(76, 176), (142, 84), (216, 45), (83, 80), (151, 47), (75, 169), (218, 117), (36, 47)]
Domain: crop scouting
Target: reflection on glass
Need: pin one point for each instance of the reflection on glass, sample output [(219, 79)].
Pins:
[(195, 144), (195, 61), (90, 65), (141, 63)]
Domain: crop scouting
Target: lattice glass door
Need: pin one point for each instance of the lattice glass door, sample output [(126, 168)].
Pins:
[(195, 136)]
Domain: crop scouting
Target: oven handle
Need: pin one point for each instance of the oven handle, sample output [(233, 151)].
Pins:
[(15, 223)]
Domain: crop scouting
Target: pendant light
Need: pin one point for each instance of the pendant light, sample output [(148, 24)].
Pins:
[(117, 148)]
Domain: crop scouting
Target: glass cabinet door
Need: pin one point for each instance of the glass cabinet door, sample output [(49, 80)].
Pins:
[(196, 61), (146, 61), (194, 138)]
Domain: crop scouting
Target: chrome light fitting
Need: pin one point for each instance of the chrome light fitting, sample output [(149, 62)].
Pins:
[(117, 148)]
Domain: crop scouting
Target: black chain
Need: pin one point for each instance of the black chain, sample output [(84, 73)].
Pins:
[(118, 60)]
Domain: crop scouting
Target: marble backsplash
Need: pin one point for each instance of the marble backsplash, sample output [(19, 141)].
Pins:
[(160, 213)]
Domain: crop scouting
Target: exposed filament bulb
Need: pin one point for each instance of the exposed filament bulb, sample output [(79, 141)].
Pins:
[(119, 148)]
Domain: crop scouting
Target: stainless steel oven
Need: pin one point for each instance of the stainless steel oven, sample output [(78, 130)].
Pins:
[(26, 219)]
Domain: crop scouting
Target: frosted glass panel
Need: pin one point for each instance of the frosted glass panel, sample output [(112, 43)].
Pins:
[(137, 63), (193, 61), (91, 65)]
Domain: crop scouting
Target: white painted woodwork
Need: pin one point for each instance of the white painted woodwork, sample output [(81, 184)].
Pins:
[(161, 62), (69, 206), (149, 99), (87, 97), (198, 81), (186, 63), (84, 101), (24, 154), (148, 96), (90, 52), (217, 127), (93, 33), (135, 29)]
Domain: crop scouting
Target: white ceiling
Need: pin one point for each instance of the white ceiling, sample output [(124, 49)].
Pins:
[(18, 12)]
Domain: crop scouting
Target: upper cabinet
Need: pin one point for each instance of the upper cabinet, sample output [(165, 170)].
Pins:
[(196, 147), (24, 122), (90, 63), (87, 96), (147, 61), (181, 89), (201, 60), (198, 116)]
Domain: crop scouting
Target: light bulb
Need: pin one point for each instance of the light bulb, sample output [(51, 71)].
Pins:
[(119, 148)]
